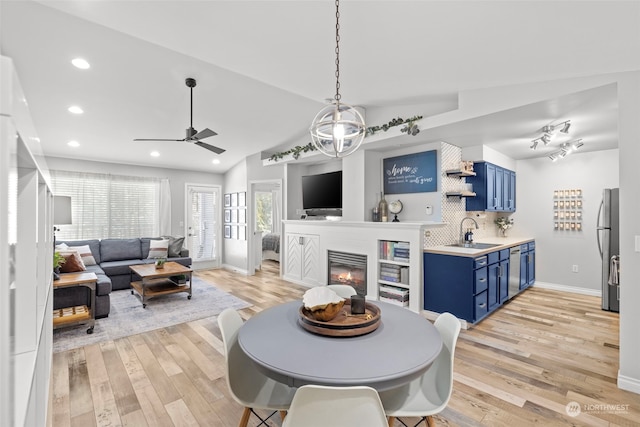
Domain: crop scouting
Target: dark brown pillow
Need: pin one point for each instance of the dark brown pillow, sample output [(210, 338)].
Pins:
[(73, 263)]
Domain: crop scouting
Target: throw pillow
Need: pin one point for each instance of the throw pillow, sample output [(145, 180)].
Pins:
[(175, 245), (158, 249), (85, 254), (73, 262)]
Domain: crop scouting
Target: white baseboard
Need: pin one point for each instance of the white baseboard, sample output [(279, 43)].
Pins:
[(565, 288), (628, 383)]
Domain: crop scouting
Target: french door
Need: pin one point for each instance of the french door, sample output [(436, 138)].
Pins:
[(203, 224)]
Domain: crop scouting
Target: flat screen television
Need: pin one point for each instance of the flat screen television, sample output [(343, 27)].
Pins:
[(322, 192)]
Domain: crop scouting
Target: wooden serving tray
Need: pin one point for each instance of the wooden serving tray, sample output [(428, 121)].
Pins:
[(344, 324)]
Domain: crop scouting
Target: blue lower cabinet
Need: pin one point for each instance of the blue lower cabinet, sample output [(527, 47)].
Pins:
[(470, 288), (527, 265), (459, 285), (481, 307)]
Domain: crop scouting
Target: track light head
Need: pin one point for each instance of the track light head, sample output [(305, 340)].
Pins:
[(565, 128), (546, 138), (534, 144)]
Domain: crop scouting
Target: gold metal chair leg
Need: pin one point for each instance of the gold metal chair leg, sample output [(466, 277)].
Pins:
[(392, 420), (282, 415), (430, 422)]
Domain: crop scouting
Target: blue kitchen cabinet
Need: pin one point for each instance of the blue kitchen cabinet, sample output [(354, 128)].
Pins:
[(498, 272), (527, 264), (495, 188), (470, 288)]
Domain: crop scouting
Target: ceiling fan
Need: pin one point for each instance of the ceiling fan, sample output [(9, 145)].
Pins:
[(193, 135)]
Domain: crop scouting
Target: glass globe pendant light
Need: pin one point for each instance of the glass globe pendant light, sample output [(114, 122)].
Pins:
[(338, 129)]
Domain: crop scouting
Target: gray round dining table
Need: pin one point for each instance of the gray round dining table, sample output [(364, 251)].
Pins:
[(399, 350)]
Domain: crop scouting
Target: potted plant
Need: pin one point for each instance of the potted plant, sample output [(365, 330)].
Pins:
[(504, 224), (58, 260), (160, 262)]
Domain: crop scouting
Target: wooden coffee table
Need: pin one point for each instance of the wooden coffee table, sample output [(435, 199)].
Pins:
[(159, 281)]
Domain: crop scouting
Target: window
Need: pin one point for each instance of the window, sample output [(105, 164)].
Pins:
[(264, 211), (108, 206)]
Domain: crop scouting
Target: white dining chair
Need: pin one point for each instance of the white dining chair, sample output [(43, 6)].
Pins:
[(247, 385), (343, 291), (429, 394), (322, 406)]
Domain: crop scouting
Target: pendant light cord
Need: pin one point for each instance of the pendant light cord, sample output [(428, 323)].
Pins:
[(337, 97)]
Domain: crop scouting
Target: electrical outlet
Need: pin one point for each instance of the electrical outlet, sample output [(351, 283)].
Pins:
[(427, 233), (574, 268), (429, 210)]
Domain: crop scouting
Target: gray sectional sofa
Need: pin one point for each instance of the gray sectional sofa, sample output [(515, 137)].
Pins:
[(113, 258)]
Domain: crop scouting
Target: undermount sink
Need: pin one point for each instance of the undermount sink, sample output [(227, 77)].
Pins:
[(475, 245)]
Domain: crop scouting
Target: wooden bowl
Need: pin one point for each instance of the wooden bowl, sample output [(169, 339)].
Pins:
[(327, 312)]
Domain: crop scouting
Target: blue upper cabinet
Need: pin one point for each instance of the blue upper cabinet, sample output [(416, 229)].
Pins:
[(495, 188)]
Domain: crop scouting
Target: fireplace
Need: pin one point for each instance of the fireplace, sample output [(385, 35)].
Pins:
[(348, 269)]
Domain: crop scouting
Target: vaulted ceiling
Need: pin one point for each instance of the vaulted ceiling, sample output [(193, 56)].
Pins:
[(264, 69)]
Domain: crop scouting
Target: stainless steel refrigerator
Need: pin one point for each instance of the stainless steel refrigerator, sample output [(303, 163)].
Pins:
[(608, 233)]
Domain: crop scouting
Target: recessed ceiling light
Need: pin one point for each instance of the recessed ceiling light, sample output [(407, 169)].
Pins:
[(81, 63), (75, 109), (73, 144), (155, 154), (216, 161)]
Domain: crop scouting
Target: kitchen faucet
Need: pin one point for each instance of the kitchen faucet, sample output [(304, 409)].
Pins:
[(461, 222)]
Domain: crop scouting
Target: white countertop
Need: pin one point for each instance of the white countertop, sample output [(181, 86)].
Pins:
[(503, 242)]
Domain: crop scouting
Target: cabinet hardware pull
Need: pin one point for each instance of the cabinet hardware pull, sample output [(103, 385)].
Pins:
[(301, 240), (483, 280), (482, 305)]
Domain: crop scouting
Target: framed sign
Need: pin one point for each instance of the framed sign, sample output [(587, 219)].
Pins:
[(411, 173)]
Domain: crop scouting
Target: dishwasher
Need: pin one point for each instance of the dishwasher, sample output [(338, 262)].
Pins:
[(514, 272)]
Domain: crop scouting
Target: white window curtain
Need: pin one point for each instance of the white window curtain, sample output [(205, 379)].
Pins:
[(108, 206), (276, 216), (165, 207)]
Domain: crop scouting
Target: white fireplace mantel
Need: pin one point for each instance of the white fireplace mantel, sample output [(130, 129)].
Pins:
[(306, 242)]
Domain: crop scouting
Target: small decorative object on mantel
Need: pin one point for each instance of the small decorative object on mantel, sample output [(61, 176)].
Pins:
[(160, 262), (395, 208), (504, 224)]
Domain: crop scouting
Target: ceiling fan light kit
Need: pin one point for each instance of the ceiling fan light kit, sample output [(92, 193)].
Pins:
[(192, 135), (338, 129)]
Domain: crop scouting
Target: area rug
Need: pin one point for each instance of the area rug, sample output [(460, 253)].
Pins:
[(127, 317)]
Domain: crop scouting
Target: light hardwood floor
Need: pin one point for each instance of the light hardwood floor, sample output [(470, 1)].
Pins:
[(521, 366)]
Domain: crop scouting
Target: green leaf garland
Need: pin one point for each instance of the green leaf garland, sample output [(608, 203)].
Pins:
[(410, 128)]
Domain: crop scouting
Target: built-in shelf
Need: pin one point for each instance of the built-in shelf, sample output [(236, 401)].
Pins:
[(460, 194), (459, 173)]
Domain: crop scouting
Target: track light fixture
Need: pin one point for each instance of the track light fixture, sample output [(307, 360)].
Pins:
[(548, 132), (566, 149)]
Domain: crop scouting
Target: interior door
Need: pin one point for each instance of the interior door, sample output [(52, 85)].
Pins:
[(203, 224)]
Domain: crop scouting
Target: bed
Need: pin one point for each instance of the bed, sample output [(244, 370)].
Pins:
[(271, 246)]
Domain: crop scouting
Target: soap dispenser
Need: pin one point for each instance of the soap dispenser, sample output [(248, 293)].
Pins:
[(468, 236)]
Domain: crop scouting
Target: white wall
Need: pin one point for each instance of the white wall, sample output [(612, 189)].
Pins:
[(235, 251), (629, 134), (177, 179), (558, 251)]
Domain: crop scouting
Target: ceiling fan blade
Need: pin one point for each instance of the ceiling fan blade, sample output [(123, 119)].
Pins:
[(211, 147), (205, 133), (156, 139)]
